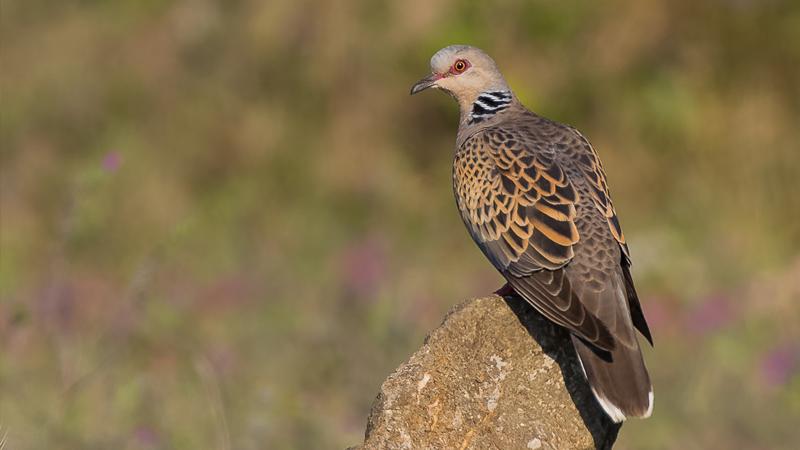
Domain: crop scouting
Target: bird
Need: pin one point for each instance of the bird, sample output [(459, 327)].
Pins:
[(533, 195)]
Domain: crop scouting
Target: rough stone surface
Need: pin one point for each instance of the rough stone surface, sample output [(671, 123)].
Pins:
[(494, 375)]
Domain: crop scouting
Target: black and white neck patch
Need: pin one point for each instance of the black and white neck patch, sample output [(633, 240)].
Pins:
[(488, 104)]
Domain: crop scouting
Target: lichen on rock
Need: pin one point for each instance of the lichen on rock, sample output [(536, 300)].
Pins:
[(495, 374)]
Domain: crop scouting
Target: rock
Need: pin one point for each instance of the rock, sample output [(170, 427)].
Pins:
[(495, 374)]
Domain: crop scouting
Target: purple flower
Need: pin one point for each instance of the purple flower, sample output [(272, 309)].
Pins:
[(711, 314), (363, 265), (779, 364), (146, 436), (112, 161)]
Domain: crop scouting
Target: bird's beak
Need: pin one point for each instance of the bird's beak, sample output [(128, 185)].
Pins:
[(425, 83)]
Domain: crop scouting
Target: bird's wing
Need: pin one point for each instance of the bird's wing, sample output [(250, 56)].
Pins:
[(596, 255), (592, 169), (520, 208)]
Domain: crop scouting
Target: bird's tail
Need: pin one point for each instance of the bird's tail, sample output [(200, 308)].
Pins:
[(618, 379)]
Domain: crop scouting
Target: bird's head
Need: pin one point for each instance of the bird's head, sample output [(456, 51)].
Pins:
[(464, 72)]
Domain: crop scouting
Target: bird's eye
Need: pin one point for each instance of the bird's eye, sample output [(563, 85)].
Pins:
[(460, 66)]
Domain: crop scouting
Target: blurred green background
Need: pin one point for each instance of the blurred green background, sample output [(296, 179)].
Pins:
[(224, 223)]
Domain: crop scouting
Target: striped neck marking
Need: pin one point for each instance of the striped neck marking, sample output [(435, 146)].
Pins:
[(488, 104)]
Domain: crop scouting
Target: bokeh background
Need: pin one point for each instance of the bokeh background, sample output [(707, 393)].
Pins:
[(225, 222)]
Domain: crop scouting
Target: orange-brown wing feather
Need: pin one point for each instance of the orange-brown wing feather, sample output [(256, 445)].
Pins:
[(520, 204), (520, 208)]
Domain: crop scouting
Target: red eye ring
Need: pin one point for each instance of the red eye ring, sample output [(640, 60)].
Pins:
[(459, 66)]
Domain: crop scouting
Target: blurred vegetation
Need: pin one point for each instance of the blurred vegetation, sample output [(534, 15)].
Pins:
[(224, 223)]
